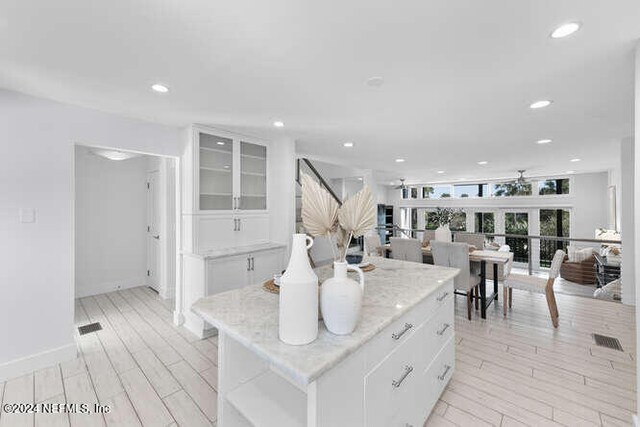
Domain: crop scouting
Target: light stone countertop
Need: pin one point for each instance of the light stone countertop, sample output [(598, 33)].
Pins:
[(238, 250), (250, 316)]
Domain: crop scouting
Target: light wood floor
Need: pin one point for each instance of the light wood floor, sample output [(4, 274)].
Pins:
[(512, 372), (520, 371)]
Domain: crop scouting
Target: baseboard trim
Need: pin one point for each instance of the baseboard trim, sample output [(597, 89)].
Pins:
[(90, 289), (18, 367)]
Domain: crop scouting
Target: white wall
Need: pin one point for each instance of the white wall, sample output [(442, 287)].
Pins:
[(110, 223), (636, 216), (37, 274)]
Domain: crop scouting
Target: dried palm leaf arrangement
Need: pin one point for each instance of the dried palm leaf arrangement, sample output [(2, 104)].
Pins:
[(321, 215)]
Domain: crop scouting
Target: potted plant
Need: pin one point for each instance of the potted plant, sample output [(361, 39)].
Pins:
[(443, 217)]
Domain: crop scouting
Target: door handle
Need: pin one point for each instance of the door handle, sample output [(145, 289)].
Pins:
[(397, 335), (444, 328), (239, 224), (253, 263), (157, 237), (248, 263)]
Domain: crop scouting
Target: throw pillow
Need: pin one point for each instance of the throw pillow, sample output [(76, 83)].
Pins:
[(583, 254)]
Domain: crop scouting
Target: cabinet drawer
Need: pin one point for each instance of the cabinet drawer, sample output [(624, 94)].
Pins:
[(402, 329), (438, 330), (392, 382), (436, 377)]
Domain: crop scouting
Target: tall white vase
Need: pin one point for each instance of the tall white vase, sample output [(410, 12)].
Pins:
[(443, 234), (298, 321), (341, 299)]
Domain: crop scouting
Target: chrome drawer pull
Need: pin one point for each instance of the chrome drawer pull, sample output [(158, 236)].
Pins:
[(407, 370), (444, 374), (398, 335), (443, 296), (444, 328)]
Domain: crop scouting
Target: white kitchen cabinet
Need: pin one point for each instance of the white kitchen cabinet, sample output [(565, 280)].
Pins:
[(389, 372), (225, 270), (227, 172)]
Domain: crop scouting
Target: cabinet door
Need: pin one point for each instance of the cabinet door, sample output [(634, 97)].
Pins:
[(266, 264), (215, 172), (253, 229), (253, 176), (215, 232), (224, 274)]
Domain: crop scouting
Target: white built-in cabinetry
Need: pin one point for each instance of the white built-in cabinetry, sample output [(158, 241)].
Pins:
[(226, 221)]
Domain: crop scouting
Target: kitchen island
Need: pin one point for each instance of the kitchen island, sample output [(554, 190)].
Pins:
[(390, 371)]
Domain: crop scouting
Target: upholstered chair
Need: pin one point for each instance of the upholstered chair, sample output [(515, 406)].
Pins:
[(406, 249)]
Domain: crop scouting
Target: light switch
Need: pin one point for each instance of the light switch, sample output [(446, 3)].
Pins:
[(27, 215)]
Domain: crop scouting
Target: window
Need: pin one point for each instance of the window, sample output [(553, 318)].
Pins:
[(429, 221), (459, 222), (470, 190), (517, 223), (439, 192), (553, 186), (408, 218), (409, 193), (509, 189), (427, 192), (556, 223), (485, 222)]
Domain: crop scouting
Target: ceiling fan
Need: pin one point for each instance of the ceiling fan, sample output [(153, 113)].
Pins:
[(521, 180), (402, 185)]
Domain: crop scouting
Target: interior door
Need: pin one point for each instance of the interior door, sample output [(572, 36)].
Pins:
[(153, 230)]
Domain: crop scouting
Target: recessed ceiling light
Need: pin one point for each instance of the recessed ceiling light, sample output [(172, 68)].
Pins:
[(391, 183), (160, 88), (348, 144), (399, 160), (440, 171), (543, 141), (540, 104), (375, 81), (575, 160), (220, 142), (360, 179), (570, 172), (565, 30), (227, 166), (483, 162), (278, 124)]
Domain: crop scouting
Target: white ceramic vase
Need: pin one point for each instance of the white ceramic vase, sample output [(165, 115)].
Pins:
[(443, 234), (341, 299), (298, 317)]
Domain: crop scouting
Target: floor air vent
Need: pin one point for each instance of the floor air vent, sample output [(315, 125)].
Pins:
[(91, 327), (608, 342)]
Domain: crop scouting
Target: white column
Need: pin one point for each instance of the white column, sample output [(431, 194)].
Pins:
[(635, 237), (627, 228)]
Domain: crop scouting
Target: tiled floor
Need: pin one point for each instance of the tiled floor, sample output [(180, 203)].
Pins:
[(510, 372)]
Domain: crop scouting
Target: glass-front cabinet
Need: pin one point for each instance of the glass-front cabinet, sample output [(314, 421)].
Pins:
[(232, 173)]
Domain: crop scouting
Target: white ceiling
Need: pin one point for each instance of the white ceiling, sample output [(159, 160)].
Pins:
[(459, 74)]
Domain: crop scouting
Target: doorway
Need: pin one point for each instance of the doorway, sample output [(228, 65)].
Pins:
[(125, 222)]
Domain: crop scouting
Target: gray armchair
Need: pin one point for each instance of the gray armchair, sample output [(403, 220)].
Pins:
[(406, 249)]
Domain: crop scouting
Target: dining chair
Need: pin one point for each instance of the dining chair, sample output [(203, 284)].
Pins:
[(536, 284), (474, 239), (373, 245), (456, 255), (428, 236), (406, 249)]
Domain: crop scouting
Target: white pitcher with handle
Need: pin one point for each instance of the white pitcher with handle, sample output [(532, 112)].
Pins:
[(341, 299)]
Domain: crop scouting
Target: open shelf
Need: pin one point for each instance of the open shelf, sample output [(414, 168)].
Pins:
[(215, 169), (270, 400), (215, 150)]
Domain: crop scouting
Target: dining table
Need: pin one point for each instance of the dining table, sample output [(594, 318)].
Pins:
[(483, 257)]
